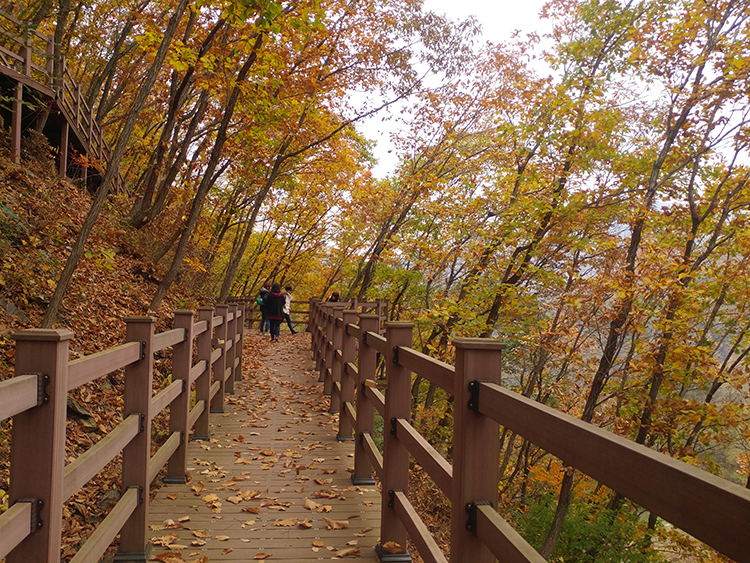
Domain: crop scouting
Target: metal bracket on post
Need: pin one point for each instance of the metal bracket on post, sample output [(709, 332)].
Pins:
[(141, 422), (143, 349), (391, 498), (473, 403), (364, 337), (42, 379), (395, 354), (35, 522), (394, 425), (471, 514), (361, 438)]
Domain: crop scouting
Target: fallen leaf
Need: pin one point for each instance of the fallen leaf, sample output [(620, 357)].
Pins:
[(392, 547), (318, 543), (201, 534), (172, 496), (305, 524), (286, 523), (311, 504), (226, 550), (262, 556), (222, 538), (353, 551), (340, 525)]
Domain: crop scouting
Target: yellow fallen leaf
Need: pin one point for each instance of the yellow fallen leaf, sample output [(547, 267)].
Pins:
[(353, 551), (173, 496), (235, 500), (392, 547), (262, 556), (201, 534), (286, 523), (305, 524), (226, 550), (222, 538), (198, 543), (311, 504)]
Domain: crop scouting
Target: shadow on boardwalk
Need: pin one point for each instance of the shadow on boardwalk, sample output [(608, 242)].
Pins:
[(273, 483)]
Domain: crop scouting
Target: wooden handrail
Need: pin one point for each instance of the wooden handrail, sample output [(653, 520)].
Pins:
[(30, 531), (712, 509)]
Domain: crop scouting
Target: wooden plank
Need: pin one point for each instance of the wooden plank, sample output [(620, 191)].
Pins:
[(351, 370), (165, 397), (436, 372), (428, 457), (708, 507), (377, 399), (163, 454), (197, 370), (200, 328), (215, 355), (214, 389), (93, 366), (354, 330), (15, 525), (350, 413), (195, 412), (168, 338), (502, 540), (376, 458), (95, 546), (376, 341), (88, 464), (217, 321), (17, 395), (418, 532)]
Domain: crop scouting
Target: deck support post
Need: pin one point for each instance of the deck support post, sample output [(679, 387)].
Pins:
[(229, 336), (136, 456), (395, 455), (368, 360), (239, 338), (203, 383), (217, 403), (348, 383), (182, 361), (476, 445), (336, 366), (38, 442)]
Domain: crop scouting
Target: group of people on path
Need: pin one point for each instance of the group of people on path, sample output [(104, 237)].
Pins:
[(275, 307)]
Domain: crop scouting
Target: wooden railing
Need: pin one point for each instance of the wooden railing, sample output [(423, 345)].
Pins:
[(346, 344), (27, 56), (36, 399)]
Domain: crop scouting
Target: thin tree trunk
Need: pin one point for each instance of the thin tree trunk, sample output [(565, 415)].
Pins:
[(112, 169)]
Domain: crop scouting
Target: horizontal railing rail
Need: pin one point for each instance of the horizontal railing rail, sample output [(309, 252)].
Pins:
[(346, 345), (36, 399)]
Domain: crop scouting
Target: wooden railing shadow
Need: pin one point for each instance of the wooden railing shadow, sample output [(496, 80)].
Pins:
[(346, 344), (206, 360), (27, 62)]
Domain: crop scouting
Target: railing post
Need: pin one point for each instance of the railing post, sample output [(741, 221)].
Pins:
[(310, 311), (239, 339), (182, 362), (367, 365), (348, 354), (136, 456), (327, 347), (336, 366), (15, 124), (217, 403), (37, 456), (231, 333), (476, 447), (203, 383), (395, 454)]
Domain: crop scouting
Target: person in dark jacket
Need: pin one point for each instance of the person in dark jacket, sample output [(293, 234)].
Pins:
[(275, 310), (265, 324)]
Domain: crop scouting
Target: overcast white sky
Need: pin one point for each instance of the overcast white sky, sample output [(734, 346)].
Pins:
[(498, 18)]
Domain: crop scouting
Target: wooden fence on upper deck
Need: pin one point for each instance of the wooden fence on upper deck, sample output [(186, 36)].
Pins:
[(36, 399), (27, 58), (346, 344)]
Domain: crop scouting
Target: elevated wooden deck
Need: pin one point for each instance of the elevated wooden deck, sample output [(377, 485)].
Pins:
[(273, 479)]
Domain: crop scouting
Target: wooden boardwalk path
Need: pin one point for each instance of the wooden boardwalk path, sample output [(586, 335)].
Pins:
[(273, 482)]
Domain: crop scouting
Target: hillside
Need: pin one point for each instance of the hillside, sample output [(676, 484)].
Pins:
[(40, 214)]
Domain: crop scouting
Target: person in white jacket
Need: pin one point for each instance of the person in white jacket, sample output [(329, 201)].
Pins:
[(288, 308)]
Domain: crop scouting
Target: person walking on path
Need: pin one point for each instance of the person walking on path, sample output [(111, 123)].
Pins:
[(265, 324), (288, 308), (275, 310)]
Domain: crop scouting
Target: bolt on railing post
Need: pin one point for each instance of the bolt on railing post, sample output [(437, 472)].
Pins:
[(336, 366), (179, 410), (348, 354), (367, 366), (231, 333), (476, 447), (395, 454), (37, 456), (136, 456), (239, 339), (217, 404), (203, 383)]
